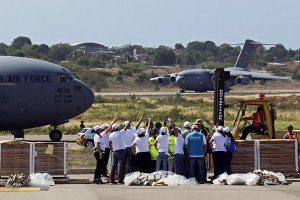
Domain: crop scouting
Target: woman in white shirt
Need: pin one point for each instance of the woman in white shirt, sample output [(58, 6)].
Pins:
[(217, 144), (140, 148)]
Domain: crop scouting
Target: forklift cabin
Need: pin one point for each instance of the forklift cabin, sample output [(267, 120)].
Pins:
[(268, 131)]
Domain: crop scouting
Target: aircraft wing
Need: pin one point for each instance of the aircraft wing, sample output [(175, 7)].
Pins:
[(256, 75)]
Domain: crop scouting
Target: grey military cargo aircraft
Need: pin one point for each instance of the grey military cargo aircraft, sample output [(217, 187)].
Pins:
[(35, 93), (202, 80)]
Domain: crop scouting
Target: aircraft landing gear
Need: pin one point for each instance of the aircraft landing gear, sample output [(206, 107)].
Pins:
[(55, 135)]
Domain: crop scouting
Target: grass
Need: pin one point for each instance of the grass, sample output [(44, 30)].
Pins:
[(179, 108), (81, 158)]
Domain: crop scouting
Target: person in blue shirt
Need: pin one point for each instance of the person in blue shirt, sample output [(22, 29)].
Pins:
[(196, 144)]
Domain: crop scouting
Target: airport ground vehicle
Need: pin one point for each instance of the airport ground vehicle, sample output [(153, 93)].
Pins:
[(86, 137), (268, 132)]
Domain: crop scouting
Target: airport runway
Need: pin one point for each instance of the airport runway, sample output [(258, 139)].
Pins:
[(121, 192), (233, 92)]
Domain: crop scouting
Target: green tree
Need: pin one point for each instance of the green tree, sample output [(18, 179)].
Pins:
[(141, 78), (96, 61), (195, 45), (3, 49), (43, 49), (164, 56), (20, 42), (211, 48), (83, 61), (179, 46), (279, 53), (61, 52)]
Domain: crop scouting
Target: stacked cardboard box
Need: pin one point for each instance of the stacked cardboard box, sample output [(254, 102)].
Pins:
[(272, 155), (50, 158), (243, 161), (278, 156), (14, 157), (30, 157)]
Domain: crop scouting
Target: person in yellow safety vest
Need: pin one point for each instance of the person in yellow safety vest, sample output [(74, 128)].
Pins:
[(152, 148), (172, 139)]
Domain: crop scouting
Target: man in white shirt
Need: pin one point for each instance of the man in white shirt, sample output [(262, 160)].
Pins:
[(116, 145), (107, 129), (98, 154), (162, 144), (128, 137), (179, 153)]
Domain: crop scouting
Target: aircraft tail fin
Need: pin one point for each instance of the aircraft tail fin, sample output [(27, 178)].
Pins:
[(244, 56)]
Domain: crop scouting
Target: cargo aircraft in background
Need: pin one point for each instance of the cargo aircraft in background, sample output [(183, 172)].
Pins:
[(35, 93), (202, 80)]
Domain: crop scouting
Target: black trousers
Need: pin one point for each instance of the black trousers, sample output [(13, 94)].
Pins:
[(99, 165), (143, 160), (247, 130), (105, 161), (228, 158), (152, 166), (219, 162)]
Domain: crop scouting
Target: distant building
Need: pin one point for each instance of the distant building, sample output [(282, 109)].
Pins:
[(140, 55), (93, 48)]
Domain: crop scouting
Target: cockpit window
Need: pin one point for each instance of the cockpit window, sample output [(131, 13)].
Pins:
[(64, 77), (74, 76)]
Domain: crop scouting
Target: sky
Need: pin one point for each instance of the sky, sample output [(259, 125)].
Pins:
[(151, 23)]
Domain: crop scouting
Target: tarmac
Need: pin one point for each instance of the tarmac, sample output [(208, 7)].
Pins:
[(122, 192)]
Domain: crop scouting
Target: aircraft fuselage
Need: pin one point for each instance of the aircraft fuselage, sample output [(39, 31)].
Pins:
[(35, 93)]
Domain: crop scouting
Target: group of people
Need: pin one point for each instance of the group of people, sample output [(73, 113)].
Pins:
[(161, 146)]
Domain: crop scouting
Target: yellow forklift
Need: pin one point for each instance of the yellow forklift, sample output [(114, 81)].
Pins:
[(268, 131)]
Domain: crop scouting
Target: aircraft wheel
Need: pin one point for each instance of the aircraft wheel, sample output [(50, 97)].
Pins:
[(55, 135)]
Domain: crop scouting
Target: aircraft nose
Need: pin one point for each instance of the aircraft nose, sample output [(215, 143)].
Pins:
[(84, 96), (88, 95)]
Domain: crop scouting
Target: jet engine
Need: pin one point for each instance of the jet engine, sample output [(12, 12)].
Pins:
[(173, 79), (242, 80), (163, 80)]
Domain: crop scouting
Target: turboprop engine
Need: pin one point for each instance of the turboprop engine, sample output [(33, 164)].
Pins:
[(173, 79), (242, 80), (163, 80)]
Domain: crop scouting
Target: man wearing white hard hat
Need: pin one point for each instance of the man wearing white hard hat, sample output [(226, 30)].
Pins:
[(140, 147), (116, 145), (217, 144), (187, 129), (107, 129), (128, 137)]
